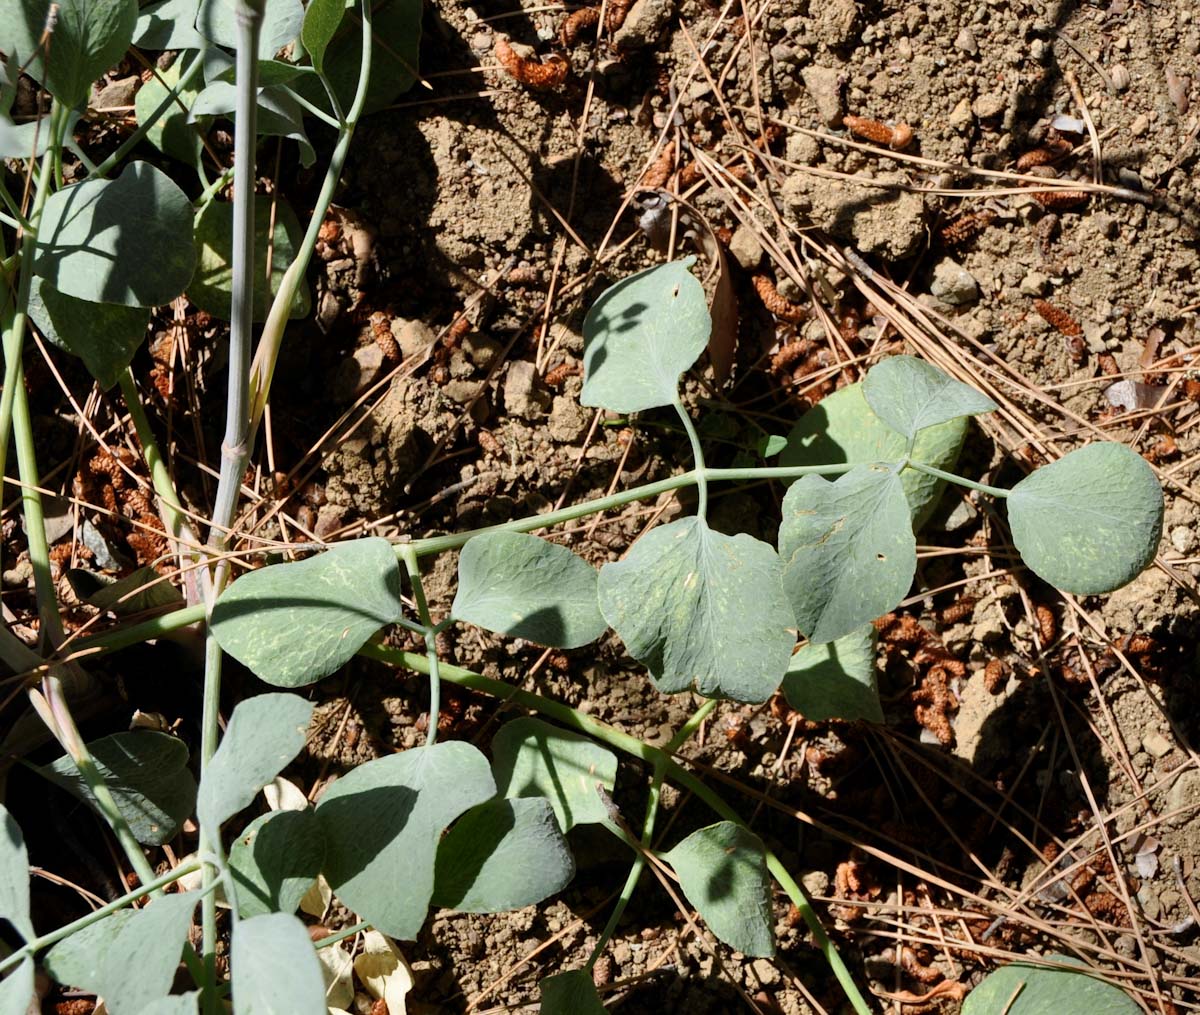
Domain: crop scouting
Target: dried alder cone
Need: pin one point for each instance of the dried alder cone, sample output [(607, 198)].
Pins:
[(540, 76), (897, 138), (781, 307), (966, 227)]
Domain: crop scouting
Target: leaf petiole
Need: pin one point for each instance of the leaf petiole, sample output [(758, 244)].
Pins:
[(950, 477)]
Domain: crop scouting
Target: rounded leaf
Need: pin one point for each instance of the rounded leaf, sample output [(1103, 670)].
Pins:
[(275, 861), (172, 133), (1024, 989), (1090, 522), (842, 428), (126, 241), (14, 875), (217, 22), (702, 609), (641, 335), (570, 993), (274, 968), (909, 395), (528, 588), (836, 679)]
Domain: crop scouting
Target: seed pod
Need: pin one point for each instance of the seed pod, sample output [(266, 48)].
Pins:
[(532, 73), (782, 308), (1119, 76), (616, 13), (555, 378), (1047, 624), (897, 138), (661, 168), (1058, 199), (1058, 318), (576, 23), (1045, 155), (966, 227), (994, 676)]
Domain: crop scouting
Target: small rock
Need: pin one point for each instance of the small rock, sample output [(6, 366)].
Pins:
[(1156, 744), (1183, 538), (965, 41), (481, 350), (461, 391), (1096, 336), (413, 337), (765, 971), (989, 104), (644, 24), (568, 420), (802, 149), (881, 220), (745, 248), (359, 372), (330, 517), (1183, 798), (961, 116), (116, 94), (19, 575), (815, 883), (1035, 284), (953, 284), (837, 22), (824, 86), (522, 396)]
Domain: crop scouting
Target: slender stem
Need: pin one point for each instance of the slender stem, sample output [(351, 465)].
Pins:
[(698, 456), (633, 746), (950, 477), (335, 122), (46, 940), (342, 934), (429, 630)]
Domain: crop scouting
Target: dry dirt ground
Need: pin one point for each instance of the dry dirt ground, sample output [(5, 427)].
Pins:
[(1034, 788)]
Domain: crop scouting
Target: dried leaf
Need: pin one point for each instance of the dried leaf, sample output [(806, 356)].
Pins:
[(384, 972)]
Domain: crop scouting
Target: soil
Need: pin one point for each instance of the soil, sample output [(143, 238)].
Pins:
[(1034, 788)]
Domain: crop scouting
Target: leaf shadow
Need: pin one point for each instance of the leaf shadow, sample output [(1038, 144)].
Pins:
[(378, 815)]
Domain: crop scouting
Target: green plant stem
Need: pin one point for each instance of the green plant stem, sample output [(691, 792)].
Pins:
[(652, 755), (698, 457), (950, 477), (429, 631), (46, 940), (342, 934), (265, 357)]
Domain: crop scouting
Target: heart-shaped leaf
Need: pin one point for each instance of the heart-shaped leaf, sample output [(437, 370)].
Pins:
[(321, 21), (702, 609), (531, 758), (264, 734), (104, 335), (502, 855), (842, 428), (126, 241), (14, 875), (836, 679), (723, 873), (909, 395), (848, 549), (1090, 522), (147, 774), (275, 861), (16, 989), (170, 24), (528, 588), (1024, 989), (89, 37), (292, 624), (129, 957), (212, 288), (217, 22), (274, 968), (570, 993), (383, 821), (641, 335), (172, 133)]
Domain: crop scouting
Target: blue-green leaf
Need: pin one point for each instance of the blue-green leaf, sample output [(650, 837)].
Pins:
[(723, 873), (848, 549), (321, 21), (217, 22), (126, 241), (383, 821), (276, 860), (16, 989), (147, 774), (172, 133), (14, 875), (264, 734), (836, 679), (274, 969), (529, 588), (1025, 989), (531, 758), (702, 609), (279, 114), (1090, 522), (292, 624), (129, 957), (502, 855), (909, 395), (641, 335), (170, 24), (570, 993), (842, 428)]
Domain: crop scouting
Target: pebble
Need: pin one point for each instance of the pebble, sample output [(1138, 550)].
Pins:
[(522, 396), (824, 86), (961, 116), (765, 971), (357, 373), (965, 41), (644, 24), (745, 248), (1035, 284), (989, 104), (413, 337), (1183, 538), (1156, 744), (953, 284)]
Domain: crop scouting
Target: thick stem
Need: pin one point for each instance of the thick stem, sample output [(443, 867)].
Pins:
[(633, 746)]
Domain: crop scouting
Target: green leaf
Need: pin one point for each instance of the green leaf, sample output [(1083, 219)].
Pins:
[(279, 114), (128, 958), (1025, 989), (771, 445), (395, 54), (292, 624), (274, 968), (217, 22), (264, 734), (275, 861), (104, 335), (570, 993), (836, 679), (170, 24), (175, 1004), (139, 592), (212, 287), (723, 873), (172, 133), (147, 774), (502, 855), (14, 875), (1090, 522), (702, 608), (321, 21), (89, 37), (531, 758), (126, 241), (848, 549), (17, 141), (842, 428), (270, 72), (383, 821), (641, 335), (16, 989), (529, 588), (909, 395)]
